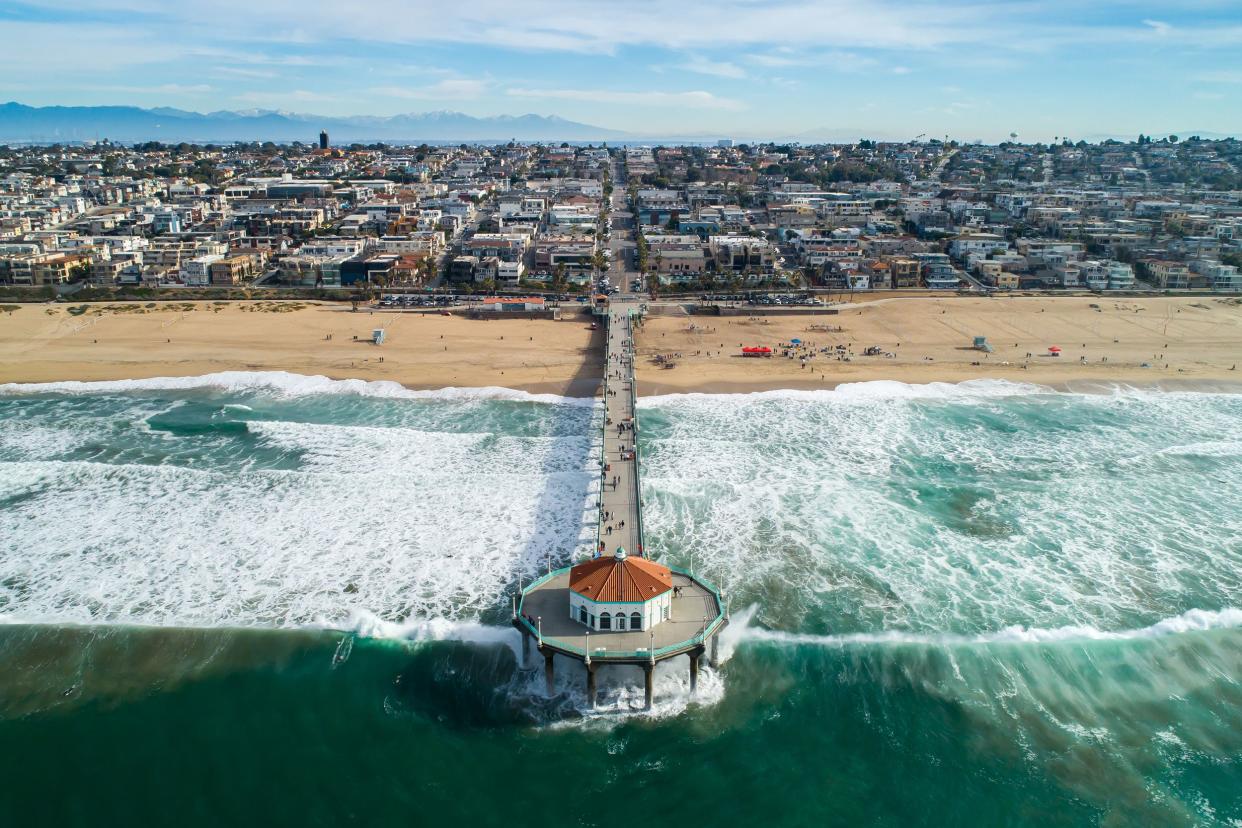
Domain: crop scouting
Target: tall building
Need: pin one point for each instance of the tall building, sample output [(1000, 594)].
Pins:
[(323, 139)]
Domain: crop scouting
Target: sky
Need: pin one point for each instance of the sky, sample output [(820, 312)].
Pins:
[(787, 69)]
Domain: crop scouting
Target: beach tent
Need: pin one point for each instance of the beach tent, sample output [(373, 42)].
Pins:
[(1054, 350), (795, 342)]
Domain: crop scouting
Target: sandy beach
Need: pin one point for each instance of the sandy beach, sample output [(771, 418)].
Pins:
[(47, 343), (1193, 341), (1184, 342)]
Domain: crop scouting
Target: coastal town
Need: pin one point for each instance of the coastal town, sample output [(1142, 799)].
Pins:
[(764, 223), (750, 412)]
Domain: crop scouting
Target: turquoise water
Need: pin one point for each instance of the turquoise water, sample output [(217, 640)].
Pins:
[(269, 599)]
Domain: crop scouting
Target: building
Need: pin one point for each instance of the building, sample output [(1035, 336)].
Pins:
[(323, 139), (1168, 274), (742, 254), (506, 304), (232, 270), (676, 256), (620, 592), (197, 270), (983, 243)]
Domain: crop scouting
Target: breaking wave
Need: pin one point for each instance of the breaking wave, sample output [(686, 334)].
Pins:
[(289, 384)]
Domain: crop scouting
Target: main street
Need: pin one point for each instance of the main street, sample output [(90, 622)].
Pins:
[(623, 226)]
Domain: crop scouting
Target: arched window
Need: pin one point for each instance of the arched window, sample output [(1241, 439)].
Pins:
[(605, 621), (636, 621), (620, 620), (582, 614)]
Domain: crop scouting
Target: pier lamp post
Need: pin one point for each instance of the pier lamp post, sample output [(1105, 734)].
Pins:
[(514, 607), (539, 625)]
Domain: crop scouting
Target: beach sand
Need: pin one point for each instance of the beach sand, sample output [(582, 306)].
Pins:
[(1185, 342), (46, 343)]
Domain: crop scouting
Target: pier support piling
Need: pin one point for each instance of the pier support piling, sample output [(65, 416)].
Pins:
[(714, 658), (525, 650), (648, 684), (695, 655), (590, 668), (549, 674)]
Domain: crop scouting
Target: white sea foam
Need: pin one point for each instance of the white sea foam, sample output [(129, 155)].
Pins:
[(396, 521), (435, 629), (620, 692), (976, 513), (995, 510), (289, 384), (1195, 620), (871, 390)]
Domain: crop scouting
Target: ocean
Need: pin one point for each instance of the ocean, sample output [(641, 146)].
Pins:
[(269, 599)]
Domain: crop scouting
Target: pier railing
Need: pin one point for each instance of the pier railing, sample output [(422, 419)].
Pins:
[(574, 649)]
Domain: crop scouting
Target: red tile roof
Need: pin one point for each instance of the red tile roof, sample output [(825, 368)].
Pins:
[(608, 579)]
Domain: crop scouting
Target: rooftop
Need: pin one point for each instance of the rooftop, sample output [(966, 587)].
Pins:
[(620, 578), (545, 604)]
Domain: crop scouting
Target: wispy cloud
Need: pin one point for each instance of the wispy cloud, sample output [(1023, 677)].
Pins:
[(243, 72), (281, 99), (1222, 76), (716, 68), (448, 89), (693, 100), (786, 57)]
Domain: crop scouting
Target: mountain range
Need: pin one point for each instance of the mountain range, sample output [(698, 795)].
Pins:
[(126, 124)]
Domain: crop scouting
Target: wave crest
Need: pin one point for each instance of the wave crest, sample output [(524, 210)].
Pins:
[(1195, 620), (289, 384)]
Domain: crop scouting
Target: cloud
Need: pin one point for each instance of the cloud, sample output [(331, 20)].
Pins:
[(785, 57), (1159, 27), (900, 70), (242, 72), (177, 89), (719, 69), (279, 99), (448, 89), (693, 100), (557, 25), (1224, 76), (1208, 96)]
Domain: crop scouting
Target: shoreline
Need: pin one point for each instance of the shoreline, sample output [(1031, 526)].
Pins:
[(1101, 386), (1185, 344)]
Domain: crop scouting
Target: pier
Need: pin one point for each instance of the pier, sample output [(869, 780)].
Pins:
[(620, 607)]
